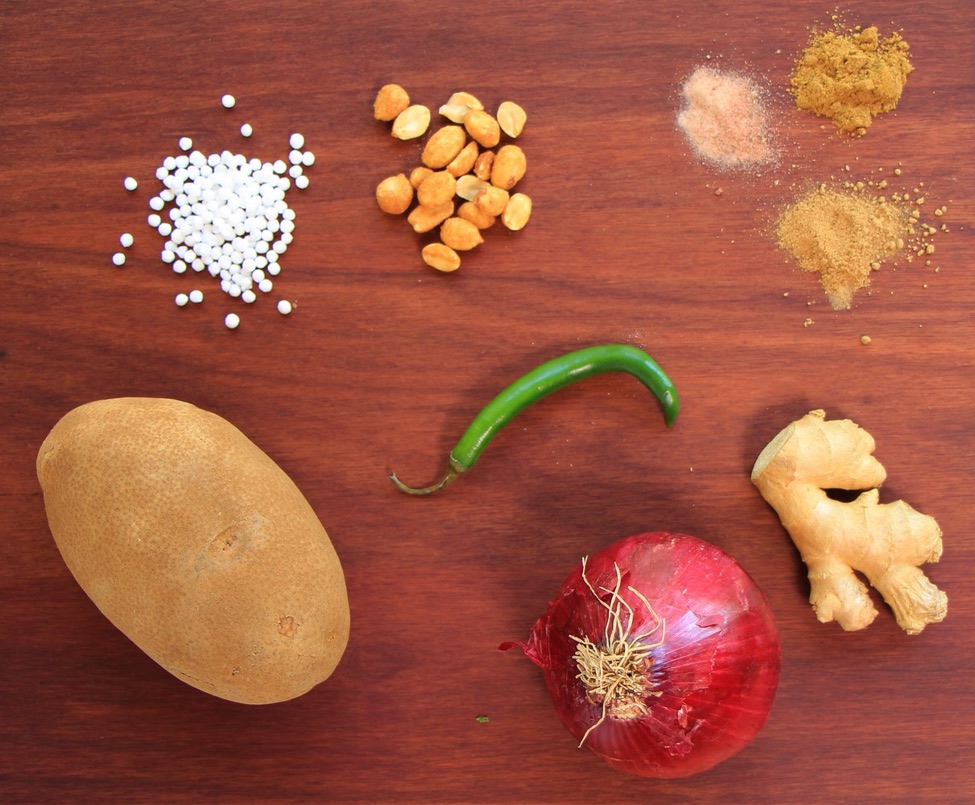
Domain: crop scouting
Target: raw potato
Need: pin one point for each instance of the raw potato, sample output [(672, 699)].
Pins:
[(197, 546)]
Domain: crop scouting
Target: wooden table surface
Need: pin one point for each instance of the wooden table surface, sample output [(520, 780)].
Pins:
[(384, 362)]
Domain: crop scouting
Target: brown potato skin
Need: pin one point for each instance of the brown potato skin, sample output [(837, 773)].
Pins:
[(197, 546)]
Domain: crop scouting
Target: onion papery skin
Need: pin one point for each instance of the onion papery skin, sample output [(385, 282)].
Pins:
[(713, 676)]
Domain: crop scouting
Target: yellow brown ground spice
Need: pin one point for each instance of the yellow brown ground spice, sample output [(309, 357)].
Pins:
[(852, 76), (846, 232), (842, 236)]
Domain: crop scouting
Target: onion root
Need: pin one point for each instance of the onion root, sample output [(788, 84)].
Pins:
[(616, 674)]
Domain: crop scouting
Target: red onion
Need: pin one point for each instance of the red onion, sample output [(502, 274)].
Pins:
[(660, 653)]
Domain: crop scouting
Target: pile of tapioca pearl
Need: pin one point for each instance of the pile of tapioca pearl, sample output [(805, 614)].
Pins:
[(225, 215)]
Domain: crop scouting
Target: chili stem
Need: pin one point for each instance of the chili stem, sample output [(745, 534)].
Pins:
[(541, 382)]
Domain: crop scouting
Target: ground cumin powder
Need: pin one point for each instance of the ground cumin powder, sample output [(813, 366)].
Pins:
[(851, 77), (844, 236)]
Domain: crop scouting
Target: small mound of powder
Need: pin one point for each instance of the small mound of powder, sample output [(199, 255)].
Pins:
[(844, 236), (725, 120), (851, 77)]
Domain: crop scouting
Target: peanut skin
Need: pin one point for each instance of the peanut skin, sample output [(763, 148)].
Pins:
[(437, 189), (390, 101), (423, 219), (509, 167), (412, 122), (440, 257), (443, 146), (394, 194), (460, 234), (517, 212), (483, 127)]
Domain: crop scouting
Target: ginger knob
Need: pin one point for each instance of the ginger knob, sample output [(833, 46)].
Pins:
[(886, 542)]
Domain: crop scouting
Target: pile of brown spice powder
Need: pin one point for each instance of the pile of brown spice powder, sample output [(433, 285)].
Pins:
[(843, 235), (725, 120), (850, 77)]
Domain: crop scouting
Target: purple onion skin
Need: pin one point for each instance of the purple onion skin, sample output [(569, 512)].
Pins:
[(716, 670)]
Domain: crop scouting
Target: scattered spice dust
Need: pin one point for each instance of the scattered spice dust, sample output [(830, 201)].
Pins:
[(851, 76), (725, 119), (844, 230), (845, 233), (843, 237)]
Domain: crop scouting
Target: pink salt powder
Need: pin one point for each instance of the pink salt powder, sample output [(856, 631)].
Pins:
[(725, 120)]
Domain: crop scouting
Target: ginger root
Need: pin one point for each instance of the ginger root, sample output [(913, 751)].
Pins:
[(884, 541)]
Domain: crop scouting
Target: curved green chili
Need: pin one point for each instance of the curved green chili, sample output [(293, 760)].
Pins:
[(541, 382)]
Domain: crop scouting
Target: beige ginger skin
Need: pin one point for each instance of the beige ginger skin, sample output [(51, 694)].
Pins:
[(884, 541)]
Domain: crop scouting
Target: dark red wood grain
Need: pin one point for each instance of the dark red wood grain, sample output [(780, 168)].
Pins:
[(384, 362)]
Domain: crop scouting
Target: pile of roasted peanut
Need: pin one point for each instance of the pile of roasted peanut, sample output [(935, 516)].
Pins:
[(459, 161)]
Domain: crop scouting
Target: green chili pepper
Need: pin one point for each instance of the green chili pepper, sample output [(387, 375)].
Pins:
[(541, 382)]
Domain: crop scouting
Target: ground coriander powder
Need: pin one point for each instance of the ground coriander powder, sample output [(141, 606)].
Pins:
[(844, 236), (851, 76)]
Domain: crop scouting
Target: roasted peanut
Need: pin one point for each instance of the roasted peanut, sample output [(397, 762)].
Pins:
[(511, 118), (390, 101), (423, 219), (460, 235), (517, 212), (469, 211), (491, 200), (458, 105), (459, 161), (464, 161), (440, 257), (482, 127), (483, 165), (509, 166), (437, 189), (418, 174), (468, 186), (412, 122), (443, 146), (394, 194)]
